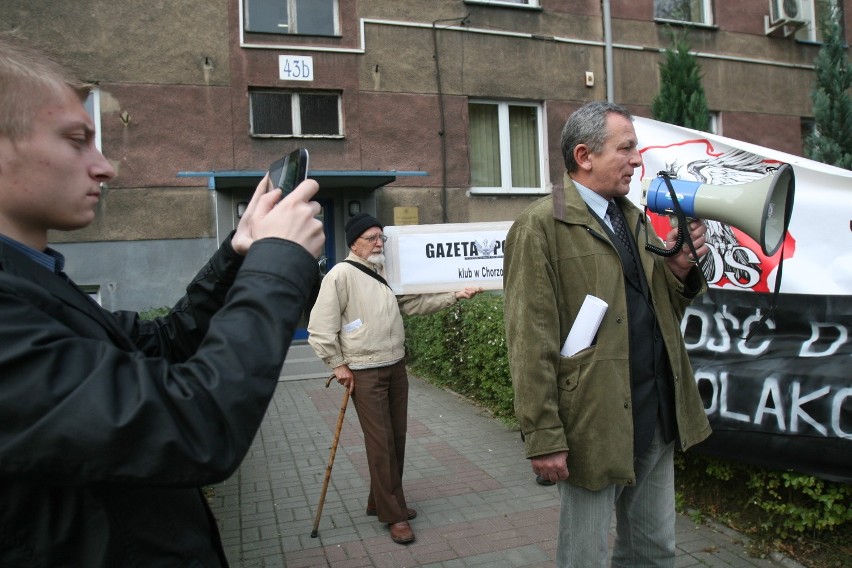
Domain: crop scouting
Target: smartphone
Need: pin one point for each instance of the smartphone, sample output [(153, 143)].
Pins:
[(289, 171)]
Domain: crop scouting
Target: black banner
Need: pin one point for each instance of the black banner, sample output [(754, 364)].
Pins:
[(783, 399)]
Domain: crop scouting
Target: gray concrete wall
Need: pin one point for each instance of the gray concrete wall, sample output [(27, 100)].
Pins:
[(137, 275), (163, 70)]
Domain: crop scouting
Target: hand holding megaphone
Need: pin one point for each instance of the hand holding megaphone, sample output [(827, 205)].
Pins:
[(685, 259)]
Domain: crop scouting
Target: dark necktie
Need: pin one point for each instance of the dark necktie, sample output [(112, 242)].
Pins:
[(619, 227)]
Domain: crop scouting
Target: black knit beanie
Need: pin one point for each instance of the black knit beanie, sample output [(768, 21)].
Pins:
[(356, 226)]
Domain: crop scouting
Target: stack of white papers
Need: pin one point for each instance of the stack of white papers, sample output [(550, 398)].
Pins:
[(585, 326)]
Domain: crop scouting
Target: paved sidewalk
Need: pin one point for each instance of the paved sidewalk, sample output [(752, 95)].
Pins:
[(465, 474)]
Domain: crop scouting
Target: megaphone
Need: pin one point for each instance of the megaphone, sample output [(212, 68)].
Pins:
[(761, 208)]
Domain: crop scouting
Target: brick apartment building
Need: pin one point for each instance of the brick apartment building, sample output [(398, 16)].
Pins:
[(424, 111)]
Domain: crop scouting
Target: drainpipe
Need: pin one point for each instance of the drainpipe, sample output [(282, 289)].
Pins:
[(608, 65), (442, 126), (464, 21)]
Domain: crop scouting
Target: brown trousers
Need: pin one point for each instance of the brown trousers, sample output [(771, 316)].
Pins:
[(381, 401)]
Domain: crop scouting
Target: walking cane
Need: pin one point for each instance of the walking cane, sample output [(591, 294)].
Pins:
[(331, 456)]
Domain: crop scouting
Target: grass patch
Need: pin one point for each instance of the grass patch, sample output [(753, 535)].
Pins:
[(771, 508)]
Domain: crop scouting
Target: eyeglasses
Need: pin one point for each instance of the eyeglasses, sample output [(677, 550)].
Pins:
[(374, 237)]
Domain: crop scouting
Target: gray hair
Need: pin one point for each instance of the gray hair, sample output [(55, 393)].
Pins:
[(587, 125), (29, 78)]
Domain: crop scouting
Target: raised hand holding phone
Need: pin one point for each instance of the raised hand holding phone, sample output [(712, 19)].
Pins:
[(288, 172), (294, 218)]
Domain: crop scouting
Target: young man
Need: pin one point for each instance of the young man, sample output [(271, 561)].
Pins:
[(109, 425), (603, 422), (356, 329)]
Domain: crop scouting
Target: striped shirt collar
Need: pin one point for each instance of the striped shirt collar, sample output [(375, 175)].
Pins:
[(50, 259)]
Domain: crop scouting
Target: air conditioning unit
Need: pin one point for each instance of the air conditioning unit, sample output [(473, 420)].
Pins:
[(785, 17), (785, 11)]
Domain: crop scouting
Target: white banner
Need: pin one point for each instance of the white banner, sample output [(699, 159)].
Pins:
[(818, 250), (445, 257)]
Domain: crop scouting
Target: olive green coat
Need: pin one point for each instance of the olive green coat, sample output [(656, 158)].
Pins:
[(554, 256)]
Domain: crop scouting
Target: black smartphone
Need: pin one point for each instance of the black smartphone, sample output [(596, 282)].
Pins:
[(289, 171)]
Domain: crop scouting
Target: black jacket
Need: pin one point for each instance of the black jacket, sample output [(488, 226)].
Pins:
[(109, 425)]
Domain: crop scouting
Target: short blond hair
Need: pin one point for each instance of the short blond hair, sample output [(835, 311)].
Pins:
[(29, 79)]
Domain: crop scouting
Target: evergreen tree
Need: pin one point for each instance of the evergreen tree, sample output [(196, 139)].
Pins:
[(831, 140), (681, 98)]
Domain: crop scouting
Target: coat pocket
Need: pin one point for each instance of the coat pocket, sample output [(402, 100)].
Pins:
[(571, 368)]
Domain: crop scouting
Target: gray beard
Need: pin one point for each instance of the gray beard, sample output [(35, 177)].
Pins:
[(377, 259)]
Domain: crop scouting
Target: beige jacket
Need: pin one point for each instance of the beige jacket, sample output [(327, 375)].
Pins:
[(356, 319)]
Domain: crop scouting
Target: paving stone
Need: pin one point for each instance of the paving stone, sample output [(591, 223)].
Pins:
[(465, 474)]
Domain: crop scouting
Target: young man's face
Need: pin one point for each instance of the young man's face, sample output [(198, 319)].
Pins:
[(613, 167), (50, 178)]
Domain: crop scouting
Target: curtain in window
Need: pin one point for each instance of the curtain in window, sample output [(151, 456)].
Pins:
[(681, 10), (484, 145), (523, 133), (696, 9)]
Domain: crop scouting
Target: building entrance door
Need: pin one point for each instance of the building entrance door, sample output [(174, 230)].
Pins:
[(327, 259)]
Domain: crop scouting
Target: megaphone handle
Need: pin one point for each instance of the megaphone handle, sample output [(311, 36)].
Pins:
[(672, 251)]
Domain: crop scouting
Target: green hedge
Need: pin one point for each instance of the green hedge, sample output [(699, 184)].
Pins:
[(463, 348), (154, 313)]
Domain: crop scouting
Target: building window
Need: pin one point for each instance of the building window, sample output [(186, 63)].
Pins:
[(277, 113), (691, 11), (304, 17), (813, 11), (530, 3), (506, 146), (808, 128), (93, 291), (715, 124), (93, 108)]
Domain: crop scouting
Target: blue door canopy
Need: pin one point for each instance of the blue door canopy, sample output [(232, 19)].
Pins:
[(328, 179)]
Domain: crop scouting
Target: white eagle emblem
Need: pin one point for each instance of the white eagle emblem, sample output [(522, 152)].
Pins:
[(485, 247)]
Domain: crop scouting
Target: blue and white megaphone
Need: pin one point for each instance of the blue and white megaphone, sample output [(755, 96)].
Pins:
[(760, 208)]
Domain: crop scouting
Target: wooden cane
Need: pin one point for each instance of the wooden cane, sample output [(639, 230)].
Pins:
[(331, 456)]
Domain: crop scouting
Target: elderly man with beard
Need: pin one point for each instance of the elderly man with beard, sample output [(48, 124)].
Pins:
[(356, 329)]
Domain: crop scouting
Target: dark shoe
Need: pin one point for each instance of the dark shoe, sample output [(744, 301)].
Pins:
[(372, 513), (401, 533), (541, 481)]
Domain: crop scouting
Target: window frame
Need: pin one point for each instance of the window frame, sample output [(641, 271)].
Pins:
[(291, 8), (93, 291), (295, 113), (709, 19), (92, 104), (506, 187), (528, 5), (715, 126), (807, 127), (811, 31)]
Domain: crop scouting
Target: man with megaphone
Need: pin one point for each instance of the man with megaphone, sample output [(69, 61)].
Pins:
[(603, 422)]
